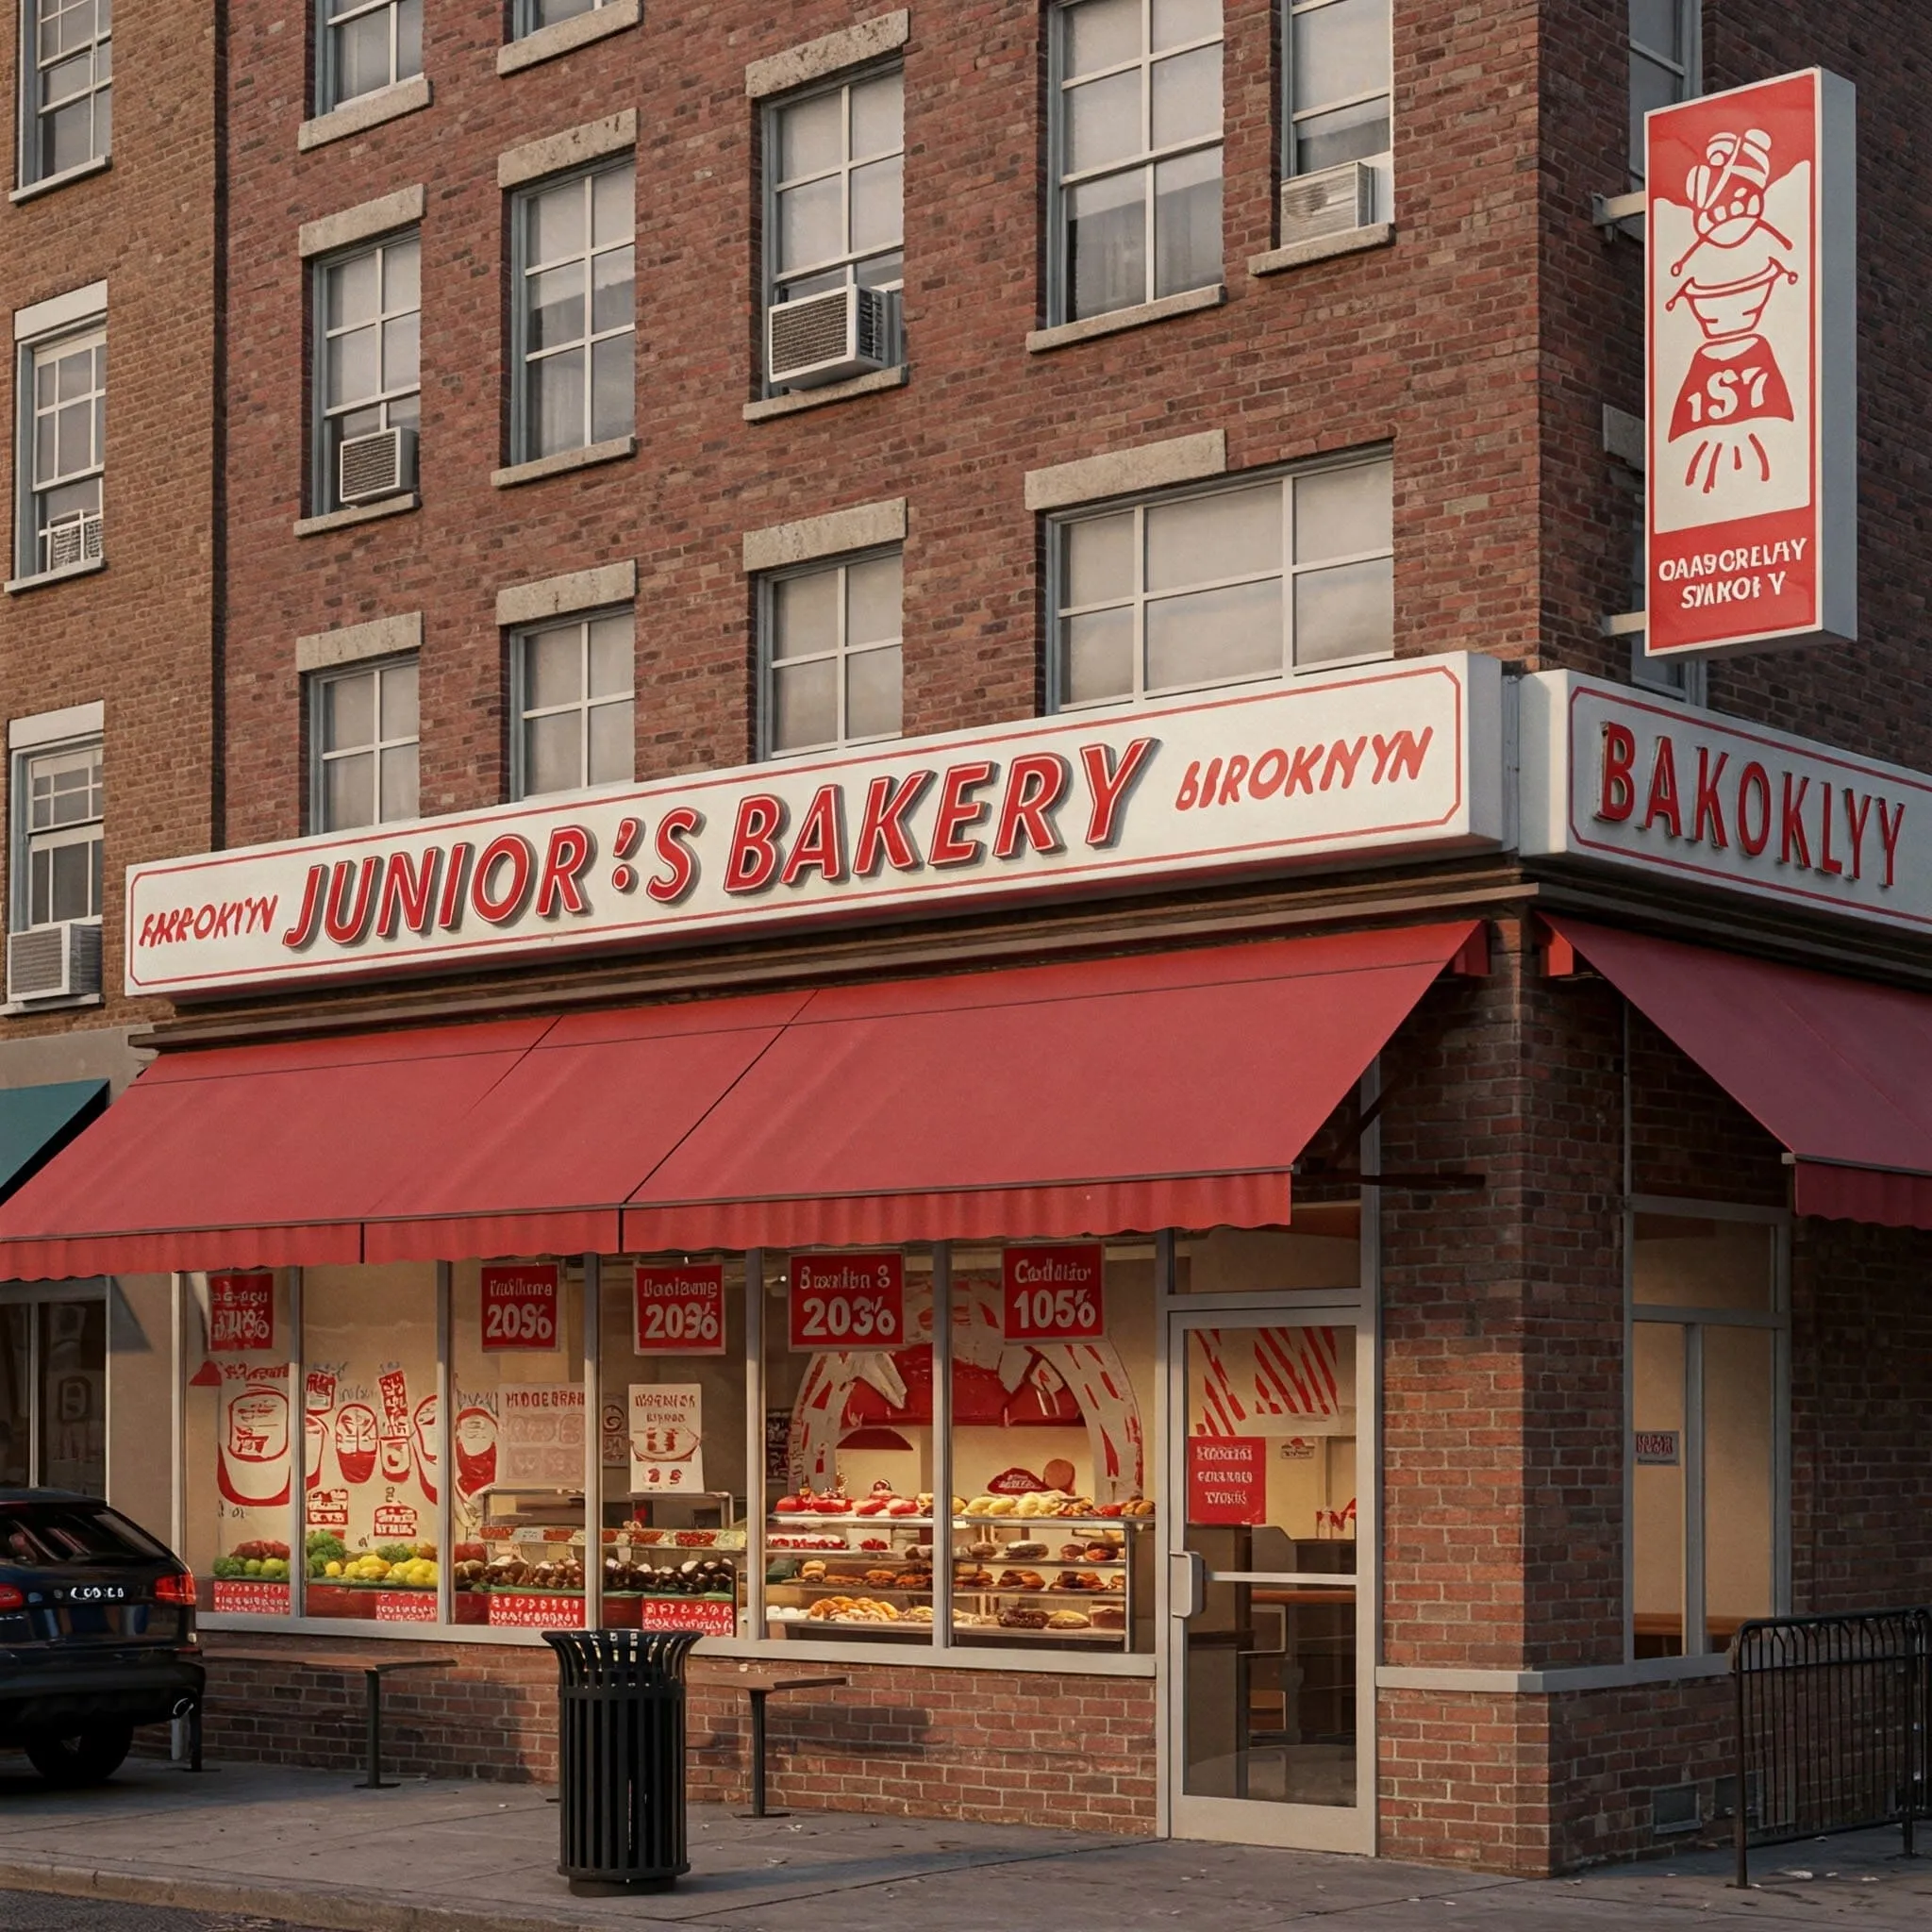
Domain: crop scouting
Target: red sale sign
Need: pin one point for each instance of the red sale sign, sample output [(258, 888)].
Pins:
[(519, 1305), (848, 1301), (1752, 321), (1227, 1479), (1053, 1294), (680, 1310), (240, 1312)]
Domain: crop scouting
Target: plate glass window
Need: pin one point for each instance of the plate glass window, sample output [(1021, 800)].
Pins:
[(67, 69), (832, 671), (1137, 147), (370, 350), (575, 313), (1664, 45), (62, 831), (575, 707), (365, 734), (1338, 80), (1217, 586), (368, 44), (531, 16), (837, 191), (66, 416)]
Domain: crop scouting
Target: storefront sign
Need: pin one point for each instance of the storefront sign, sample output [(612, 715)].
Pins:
[(680, 1310), (1752, 260), (710, 1615), (1227, 1479), (848, 1301), (395, 1522), (245, 1597), (1657, 1447), (1053, 1294), (513, 1611), (1613, 776), (240, 1312), (519, 1305), (328, 1510), (667, 1437), (1395, 759), (540, 1437), (406, 1606)]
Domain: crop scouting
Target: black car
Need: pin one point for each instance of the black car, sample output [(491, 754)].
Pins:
[(96, 1633)]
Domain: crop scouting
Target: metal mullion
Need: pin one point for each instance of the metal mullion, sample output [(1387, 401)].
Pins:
[(298, 1451), (942, 1445), (1208, 584), (842, 635), (583, 705), (445, 1451), (1147, 157), (1696, 1638), (1335, 106), (1141, 600), (590, 1305)]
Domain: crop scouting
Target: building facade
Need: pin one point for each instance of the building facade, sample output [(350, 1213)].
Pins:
[(911, 726)]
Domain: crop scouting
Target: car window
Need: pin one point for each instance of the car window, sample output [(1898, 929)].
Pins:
[(68, 1533)]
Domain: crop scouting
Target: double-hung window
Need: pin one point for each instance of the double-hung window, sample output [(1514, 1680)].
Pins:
[(575, 316), (363, 735), (831, 657), (1665, 37), (63, 419), (1137, 151), (368, 379), (1338, 60), (59, 816), (67, 85), (367, 45), (1219, 585), (574, 700)]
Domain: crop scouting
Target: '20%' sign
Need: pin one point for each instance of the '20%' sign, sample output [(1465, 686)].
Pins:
[(1053, 1294), (848, 1301), (519, 1305), (680, 1310)]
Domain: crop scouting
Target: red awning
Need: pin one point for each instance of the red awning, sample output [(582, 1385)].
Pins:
[(1168, 1090), (1838, 1070)]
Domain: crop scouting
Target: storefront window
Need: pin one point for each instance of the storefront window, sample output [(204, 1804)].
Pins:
[(53, 1390)]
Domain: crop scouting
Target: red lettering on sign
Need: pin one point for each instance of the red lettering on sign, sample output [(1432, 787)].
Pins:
[(1617, 795), (1053, 1294), (820, 844), (560, 890), (680, 872), (347, 926), (1754, 781), (1110, 785), (1889, 829), (753, 862), (958, 810), (1709, 807), (848, 1301), (308, 920), (1034, 785), (455, 886), (1856, 815), (679, 1310), (1227, 1479), (1662, 801), (517, 1305), (884, 838), (515, 857), (409, 893), (1792, 835)]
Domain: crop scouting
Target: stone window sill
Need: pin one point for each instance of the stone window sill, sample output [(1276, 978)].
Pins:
[(365, 111), (795, 400), (1117, 319), (54, 576), (55, 1002), (356, 513), (1323, 248), (67, 177), (565, 36), (566, 460)]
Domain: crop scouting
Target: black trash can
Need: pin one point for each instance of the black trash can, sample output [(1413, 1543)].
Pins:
[(619, 1756)]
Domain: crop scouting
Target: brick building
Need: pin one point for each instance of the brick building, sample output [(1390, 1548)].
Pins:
[(903, 679)]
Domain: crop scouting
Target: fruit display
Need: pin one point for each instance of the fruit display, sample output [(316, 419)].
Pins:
[(395, 1566), (325, 1547), (261, 1557)]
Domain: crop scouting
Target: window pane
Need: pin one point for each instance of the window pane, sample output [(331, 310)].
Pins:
[(877, 194), (811, 136), (1657, 25), (72, 880), (363, 56), (805, 704), (1214, 635), (1099, 657), (1201, 540), (351, 290), (613, 209), (402, 275), (610, 655), (1106, 244), (1349, 134), (1102, 33), (399, 782), (871, 601), (548, 12), (613, 739), (1104, 122), (557, 406), (1651, 86), (613, 398), (1656, 1528), (349, 792), (610, 290), (557, 306), (1739, 1380), (400, 352), (1345, 612), (557, 223), (408, 38), (811, 222), (1686, 1262), (74, 439), (553, 669), (1098, 559), (399, 701), (1187, 97), (348, 712), (1342, 513), (552, 755), (1178, 21), (878, 116), (805, 614), (1340, 51), (1187, 223), (872, 692)]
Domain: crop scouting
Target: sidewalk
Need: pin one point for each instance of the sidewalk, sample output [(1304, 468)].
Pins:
[(307, 1847)]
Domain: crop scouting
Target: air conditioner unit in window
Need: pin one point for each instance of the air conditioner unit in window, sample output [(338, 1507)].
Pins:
[(1330, 203), (379, 464), (72, 539), (54, 961), (827, 338)]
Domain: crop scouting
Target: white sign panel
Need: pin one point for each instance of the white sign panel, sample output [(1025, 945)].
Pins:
[(1395, 759), (667, 1437), (1751, 255), (1612, 775)]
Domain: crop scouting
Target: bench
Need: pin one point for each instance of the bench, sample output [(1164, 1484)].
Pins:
[(759, 1694)]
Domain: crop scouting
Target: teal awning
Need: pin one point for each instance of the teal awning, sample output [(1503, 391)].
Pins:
[(37, 1122)]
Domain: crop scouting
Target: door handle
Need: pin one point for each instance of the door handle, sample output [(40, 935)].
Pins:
[(1186, 1583)]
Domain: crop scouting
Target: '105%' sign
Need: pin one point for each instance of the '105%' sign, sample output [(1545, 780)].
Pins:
[(519, 1305), (680, 1310), (848, 1301), (1053, 1294)]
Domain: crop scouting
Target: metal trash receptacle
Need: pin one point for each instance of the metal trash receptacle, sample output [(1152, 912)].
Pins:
[(620, 1756)]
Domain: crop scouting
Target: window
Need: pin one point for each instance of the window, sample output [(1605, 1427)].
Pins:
[(533, 15), (575, 313), (1664, 48), (67, 67), (1337, 81), (1217, 586), (60, 810), (53, 1422), (364, 729), (832, 655), (369, 378), (65, 428), (368, 44), (574, 704), (1137, 144), (838, 182)]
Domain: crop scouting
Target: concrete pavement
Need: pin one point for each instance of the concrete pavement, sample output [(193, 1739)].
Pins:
[(307, 1848)]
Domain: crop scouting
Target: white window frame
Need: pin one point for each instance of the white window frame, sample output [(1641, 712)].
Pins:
[(1061, 184), (521, 711), (328, 60), (525, 19), (34, 110), (323, 482), (1685, 60), (30, 531), (1291, 115), (320, 760), (29, 839), (1059, 612), (840, 654)]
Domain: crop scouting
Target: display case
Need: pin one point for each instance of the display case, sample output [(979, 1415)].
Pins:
[(673, 1563)]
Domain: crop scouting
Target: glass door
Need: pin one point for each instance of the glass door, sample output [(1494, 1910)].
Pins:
[(1269, 1703)]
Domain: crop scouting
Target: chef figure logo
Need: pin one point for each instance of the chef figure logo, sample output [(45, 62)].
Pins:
[(1735, 263)]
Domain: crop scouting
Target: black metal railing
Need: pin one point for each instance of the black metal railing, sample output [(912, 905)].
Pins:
[(1834, 1725)]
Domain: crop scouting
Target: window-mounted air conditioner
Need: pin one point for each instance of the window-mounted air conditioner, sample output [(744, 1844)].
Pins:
[(821, 338), (73, 539), (54, 961), (380, 464), (1329, 203)]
